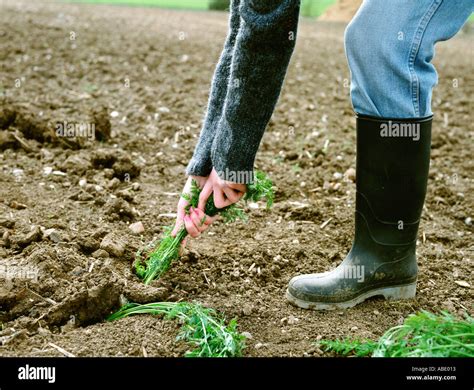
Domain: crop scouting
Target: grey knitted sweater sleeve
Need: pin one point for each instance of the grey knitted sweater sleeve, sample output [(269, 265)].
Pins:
[(201, 164), (259, 60)]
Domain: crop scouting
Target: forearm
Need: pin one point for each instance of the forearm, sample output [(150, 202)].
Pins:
[(201, 164), (263, 49)]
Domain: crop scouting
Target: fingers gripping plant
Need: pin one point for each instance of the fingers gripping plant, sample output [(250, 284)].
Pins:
[(159, 256)]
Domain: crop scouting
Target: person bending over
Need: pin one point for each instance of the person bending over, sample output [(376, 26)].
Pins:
[(389, 47)]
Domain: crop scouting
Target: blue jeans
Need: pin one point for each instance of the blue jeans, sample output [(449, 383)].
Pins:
[(389, 47)]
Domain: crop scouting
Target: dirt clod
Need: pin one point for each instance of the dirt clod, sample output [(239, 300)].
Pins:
[(113, 245), (26, 239), (102, 125)]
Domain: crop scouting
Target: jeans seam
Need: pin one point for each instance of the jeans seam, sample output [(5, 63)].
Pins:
[(415, 47)]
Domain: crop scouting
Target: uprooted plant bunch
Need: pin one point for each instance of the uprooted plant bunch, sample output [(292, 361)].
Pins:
[(201, 327), (423, 334), (160, 255)]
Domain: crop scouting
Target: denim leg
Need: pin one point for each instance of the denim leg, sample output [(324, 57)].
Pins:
[(201, 164), (389, 47)]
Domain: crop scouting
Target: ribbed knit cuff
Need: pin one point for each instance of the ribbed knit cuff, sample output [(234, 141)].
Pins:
[(199, 166)]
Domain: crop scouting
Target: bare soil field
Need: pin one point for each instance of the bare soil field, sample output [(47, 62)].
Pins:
[(144, 74)]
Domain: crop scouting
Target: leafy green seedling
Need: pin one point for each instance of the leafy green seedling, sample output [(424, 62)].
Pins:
[(201, 327), (421, 335)]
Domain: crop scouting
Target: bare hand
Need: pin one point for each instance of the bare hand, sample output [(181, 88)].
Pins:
[(196, 222), (225, 192)]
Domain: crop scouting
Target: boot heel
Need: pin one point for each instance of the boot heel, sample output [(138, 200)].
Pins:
[(400, 292)]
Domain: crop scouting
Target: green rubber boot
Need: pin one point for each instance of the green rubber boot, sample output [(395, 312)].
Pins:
[(393, 158)]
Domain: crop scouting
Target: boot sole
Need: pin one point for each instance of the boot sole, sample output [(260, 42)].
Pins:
[(393, 293)]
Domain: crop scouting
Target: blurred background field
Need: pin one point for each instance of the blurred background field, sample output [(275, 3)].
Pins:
[(329, 10), (312, 8)]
